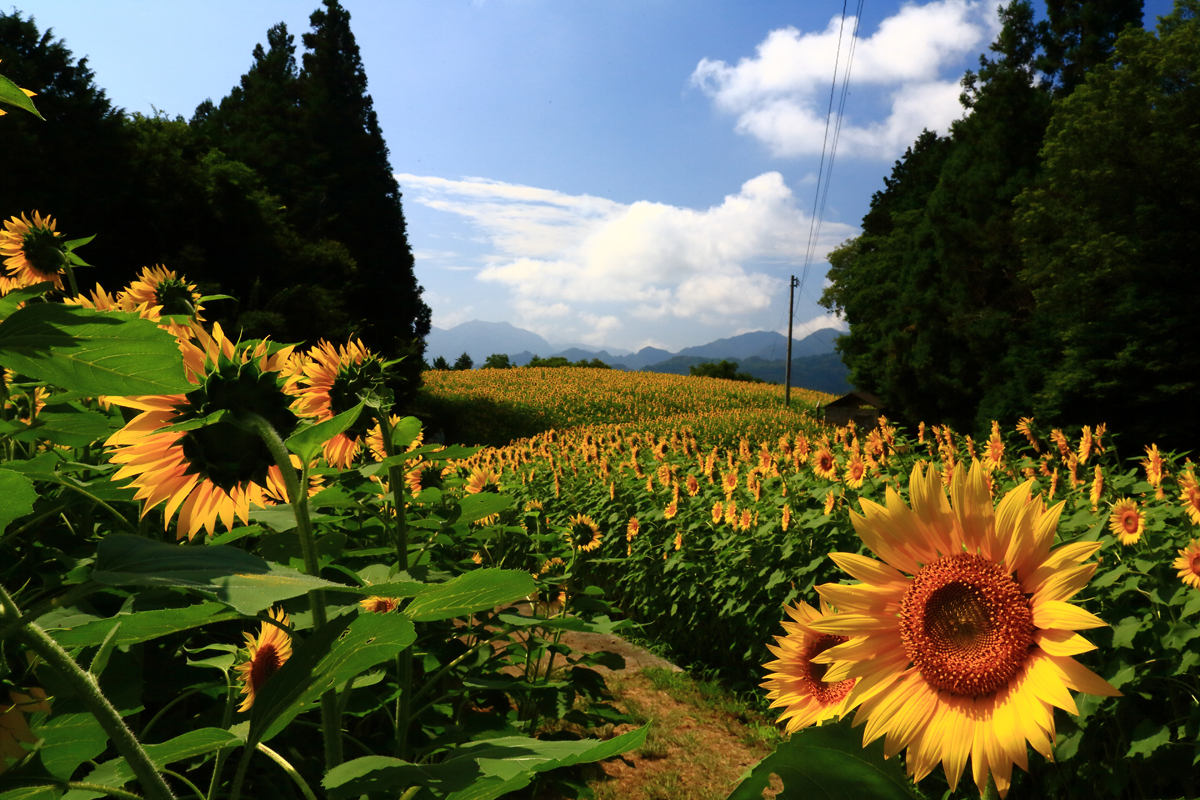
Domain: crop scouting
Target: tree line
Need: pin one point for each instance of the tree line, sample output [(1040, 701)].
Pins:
[(281, 194), (1040, 260)]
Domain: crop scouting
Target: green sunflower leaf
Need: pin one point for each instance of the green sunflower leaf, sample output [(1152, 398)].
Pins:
[(307, 442), (96, 352), (479, 590), (477, 506), (12, 95), (476, 771), (12, 301), (828, 762), (16, 497), (239, 579), (339, 650), (70, 428), (117, 772)]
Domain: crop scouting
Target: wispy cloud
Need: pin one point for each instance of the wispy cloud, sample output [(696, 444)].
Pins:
[(780, 95), (597, 262)]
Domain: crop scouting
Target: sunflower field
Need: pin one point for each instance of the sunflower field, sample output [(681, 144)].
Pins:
[(704, 527)]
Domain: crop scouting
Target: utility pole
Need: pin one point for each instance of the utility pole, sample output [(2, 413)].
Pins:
[(787, 381)]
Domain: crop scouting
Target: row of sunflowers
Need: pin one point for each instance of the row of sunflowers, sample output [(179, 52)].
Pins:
[(971, 567), (211, 549)]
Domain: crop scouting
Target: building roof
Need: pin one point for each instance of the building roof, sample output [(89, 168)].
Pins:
[(855, 400)]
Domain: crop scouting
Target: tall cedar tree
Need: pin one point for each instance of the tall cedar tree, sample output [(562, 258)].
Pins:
[(359, 203), (313, 133), (1078, 35), (1110, 239)]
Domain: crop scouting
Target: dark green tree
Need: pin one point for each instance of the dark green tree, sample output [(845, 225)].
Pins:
[(724, 369), (260, 123), (359, 200), (938, 316), (464, 362), (498, 361), (441, 363), (1079, 35), (1110, 239)]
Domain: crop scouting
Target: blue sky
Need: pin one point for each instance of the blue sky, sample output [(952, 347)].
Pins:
[(615, 173)]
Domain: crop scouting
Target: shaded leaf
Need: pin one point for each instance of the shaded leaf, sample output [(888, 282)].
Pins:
[(248, 583), (143, 626), (307, 442), (828, 762), (476, 771), (477, 506), (117, 772), (16, 497)]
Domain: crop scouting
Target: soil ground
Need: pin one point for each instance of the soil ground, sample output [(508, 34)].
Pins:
[(701, 740)]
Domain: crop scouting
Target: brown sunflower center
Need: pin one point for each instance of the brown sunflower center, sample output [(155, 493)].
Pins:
[(266, 663), (814, 674), (1195, 564), (1129, 521), (966, 625)]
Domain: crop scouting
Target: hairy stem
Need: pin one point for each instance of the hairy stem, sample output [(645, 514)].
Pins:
[(331, 721), (84, 685)]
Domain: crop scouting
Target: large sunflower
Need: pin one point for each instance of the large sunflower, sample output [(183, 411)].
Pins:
[(823, 463), (217, 470), (1127, 523), (961, 637), (266, 653), (334, 378), (796, 683), (32, 251)]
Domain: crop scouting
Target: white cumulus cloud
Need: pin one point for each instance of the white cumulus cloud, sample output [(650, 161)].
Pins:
[(781, 94), (593, 260)]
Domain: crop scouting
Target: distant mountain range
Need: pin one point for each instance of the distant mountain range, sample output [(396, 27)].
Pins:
[(761, 353)]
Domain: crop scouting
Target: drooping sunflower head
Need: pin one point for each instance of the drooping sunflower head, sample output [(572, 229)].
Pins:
[(796, 683), (379, 605), (1127, 522), (335, 379), (33, 251), (265, 654), (159, 287), (961, 636), (425, 475), (1189, 495), (583, 533), (1188, 564), (14, 728), (214, 470)]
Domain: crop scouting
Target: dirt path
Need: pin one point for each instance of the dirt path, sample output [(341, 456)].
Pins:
[(700, 741)]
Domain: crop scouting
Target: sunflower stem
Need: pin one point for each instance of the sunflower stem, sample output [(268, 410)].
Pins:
[(404, 659), (396, 483), (331, 720), (88, 690), (990, 792)]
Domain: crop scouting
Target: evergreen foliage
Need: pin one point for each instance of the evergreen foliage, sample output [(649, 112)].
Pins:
[(440, 363), (1040, 259), (498, 361), (724, 369), (464, 362), (1110, 237), (563, 361)]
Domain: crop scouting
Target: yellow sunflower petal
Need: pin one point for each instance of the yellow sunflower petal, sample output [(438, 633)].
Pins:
[(1057, 614)]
